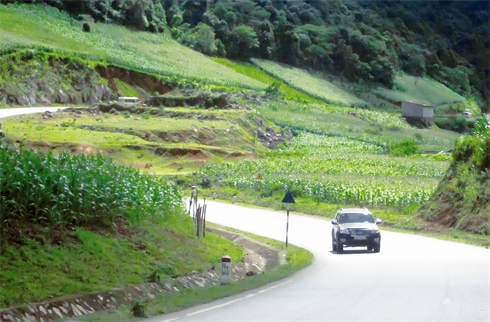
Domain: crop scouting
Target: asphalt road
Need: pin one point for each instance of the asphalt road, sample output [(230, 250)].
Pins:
[(413, 278), (27, 110)]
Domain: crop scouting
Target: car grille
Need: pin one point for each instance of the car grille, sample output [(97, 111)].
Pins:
[(360, 232)]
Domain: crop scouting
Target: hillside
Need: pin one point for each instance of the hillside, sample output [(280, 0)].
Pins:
[(362, 41), (462, 199)]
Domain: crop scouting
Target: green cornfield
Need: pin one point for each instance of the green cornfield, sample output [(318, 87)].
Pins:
[(80, 190)]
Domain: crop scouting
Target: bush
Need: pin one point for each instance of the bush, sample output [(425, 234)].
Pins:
[(456, 124), (86, 27), (403, 148)]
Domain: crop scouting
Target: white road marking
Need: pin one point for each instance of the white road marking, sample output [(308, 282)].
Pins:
[(270, 288), (214, 307), (170, 320), (320, 265), (227, 303)]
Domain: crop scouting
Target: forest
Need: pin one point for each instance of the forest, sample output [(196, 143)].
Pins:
[(365, 42)]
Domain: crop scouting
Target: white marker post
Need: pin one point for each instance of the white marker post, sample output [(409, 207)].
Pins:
[(225, 270)]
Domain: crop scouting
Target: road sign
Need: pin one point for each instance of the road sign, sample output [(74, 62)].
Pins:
[(259, 177), (288, 198)]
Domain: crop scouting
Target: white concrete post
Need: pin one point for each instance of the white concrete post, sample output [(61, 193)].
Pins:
[(225, 269)]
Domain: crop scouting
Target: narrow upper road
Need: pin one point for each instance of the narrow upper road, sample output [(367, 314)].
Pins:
[(27, 110), (413, 278)]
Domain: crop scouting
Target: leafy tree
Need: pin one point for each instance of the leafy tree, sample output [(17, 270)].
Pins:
[(244, 41), (205, 39)]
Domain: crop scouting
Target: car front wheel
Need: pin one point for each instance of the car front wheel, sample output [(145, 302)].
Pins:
[(340, 247), (377, 248)]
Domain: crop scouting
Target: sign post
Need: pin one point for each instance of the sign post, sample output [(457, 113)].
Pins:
[(225, 270), (288, 200), (259, 177)]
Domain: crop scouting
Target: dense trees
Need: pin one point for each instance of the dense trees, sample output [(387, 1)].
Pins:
[(361, 40)]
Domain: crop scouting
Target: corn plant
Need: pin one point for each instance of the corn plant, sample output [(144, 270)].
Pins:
[(80, 190)]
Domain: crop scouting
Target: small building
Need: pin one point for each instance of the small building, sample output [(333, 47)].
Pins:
[(417, 111)]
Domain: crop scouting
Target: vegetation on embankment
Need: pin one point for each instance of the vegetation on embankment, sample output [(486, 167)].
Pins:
[(76, 224), (462, 199), (29, 78), (295, 257)]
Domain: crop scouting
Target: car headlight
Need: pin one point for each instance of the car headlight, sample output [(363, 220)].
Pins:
[(344, 230), (374, 231)]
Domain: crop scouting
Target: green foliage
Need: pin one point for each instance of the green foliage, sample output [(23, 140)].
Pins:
[(403, 148), (456, 124), (80, 190), (124, 89), (482, 126), (205, 39), (462, 199), (29, 77), (245, 40)]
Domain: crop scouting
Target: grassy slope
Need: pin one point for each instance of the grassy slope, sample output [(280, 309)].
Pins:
[(45, 27), (381, 129), (307, 83), (101, 261), (258, 74), (421, 90)]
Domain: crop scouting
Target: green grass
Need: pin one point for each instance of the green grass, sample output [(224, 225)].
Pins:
[(367, 126), (296, 259), (145, 124), (421, 90), (88, 262), (310, 84), (251, 71), (31, 26)]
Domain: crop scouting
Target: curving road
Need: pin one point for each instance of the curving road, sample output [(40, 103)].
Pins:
[(27, 110), (413, 278)]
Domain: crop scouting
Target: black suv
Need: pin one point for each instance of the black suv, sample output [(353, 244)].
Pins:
[(353, 227)]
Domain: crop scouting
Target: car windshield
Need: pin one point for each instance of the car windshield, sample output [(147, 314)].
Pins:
[(356, 218)]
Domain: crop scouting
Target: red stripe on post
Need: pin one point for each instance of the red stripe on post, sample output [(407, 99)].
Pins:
[(226, 259)]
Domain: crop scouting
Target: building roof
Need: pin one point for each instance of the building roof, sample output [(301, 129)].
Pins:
[(399, 103)]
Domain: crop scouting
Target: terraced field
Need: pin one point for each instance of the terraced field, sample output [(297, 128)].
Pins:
[(162, 143)]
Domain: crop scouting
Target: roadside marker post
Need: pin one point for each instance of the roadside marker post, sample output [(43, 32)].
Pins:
[(259, 177), (288, 200), (225, 270)]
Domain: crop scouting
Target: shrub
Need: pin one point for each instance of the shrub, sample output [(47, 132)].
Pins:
[(86, 27), (403, 148)]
